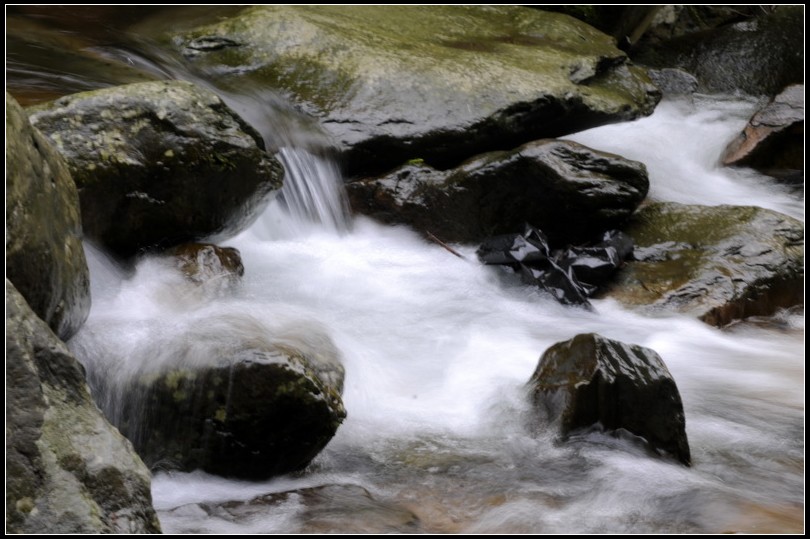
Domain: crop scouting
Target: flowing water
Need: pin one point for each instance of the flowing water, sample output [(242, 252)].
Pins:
[(438, 349)]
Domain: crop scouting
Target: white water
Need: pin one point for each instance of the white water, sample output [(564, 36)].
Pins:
[(437, 350)]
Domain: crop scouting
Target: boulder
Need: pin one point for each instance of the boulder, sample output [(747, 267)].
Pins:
[(757, 56), (717, 263), (44, 254), (226, 398), (158, 163), (67, 469), (441, 83), (571, 192), (590, 379), (773, 140), (329, 508)]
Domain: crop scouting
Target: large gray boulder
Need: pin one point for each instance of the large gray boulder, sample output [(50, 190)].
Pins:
[(758, 56), (590, 379), (569, 191), (441, 83), (159, 163), (67, 469), (224, 396), (44, 254), (716, 263)]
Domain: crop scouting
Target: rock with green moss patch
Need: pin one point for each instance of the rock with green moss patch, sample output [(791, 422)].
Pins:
[(159, 163), (44, 254), (571, 192), (67, 469), (591, 380), (227, 398), (443, 83), (717, 263)]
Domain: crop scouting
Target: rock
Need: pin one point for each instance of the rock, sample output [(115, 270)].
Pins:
[(326, 509), (44, 254), (158, 163), (758, 56), (441, 83), (227, 398), (67, 469), (717, 263), (674, 81), (590, 379), (571, 192), (208, 265), (774, 136)]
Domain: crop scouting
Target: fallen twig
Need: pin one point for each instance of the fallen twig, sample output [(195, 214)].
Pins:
[(440, 242)]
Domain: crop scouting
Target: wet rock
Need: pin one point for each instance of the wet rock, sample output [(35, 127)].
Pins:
[(591, 380), (324, 509), (67, 469), (569, 191), (208, 265), (758, 56), (227, 398), (158, 163), (774, 136), (717, 263), (674, 81), (441, 83), (44, 254)]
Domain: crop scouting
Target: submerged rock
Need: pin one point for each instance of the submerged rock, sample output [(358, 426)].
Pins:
[(324, 509), (441, 83), (44, 254), (208, 265), (158, 163), (773, 140), (227, 398), (591, 380), (67, 469), (717, 263), (569, 191), (759, 56)]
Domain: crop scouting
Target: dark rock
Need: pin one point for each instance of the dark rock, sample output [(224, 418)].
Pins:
[(226, 398), (594, 266), (717, 263), (774, 136), (590, 379), (559, 282), (441, 83), (44, 254), (67, 469), (758, 56), (531, 246), (209, 265), (158, 163), (674, 81), (569, 191), (326, 509)]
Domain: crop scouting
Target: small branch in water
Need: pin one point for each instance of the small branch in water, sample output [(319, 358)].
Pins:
[(440, 242)]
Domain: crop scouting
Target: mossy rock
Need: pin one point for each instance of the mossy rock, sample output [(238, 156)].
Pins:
[(44, 253), (159, 163), (569, 191), (443, 83), (67, 469), (717, 263)]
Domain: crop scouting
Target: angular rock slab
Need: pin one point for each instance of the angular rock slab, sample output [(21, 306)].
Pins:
[(569, 191), (44, 253), (442, 83), (67, 469), (590, 379), (158, 163), (774, 136), (716, 263)]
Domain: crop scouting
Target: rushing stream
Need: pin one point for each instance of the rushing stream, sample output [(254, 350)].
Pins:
[(438, 349)]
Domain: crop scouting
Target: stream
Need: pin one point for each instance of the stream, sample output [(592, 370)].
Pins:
[(438, 349)]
